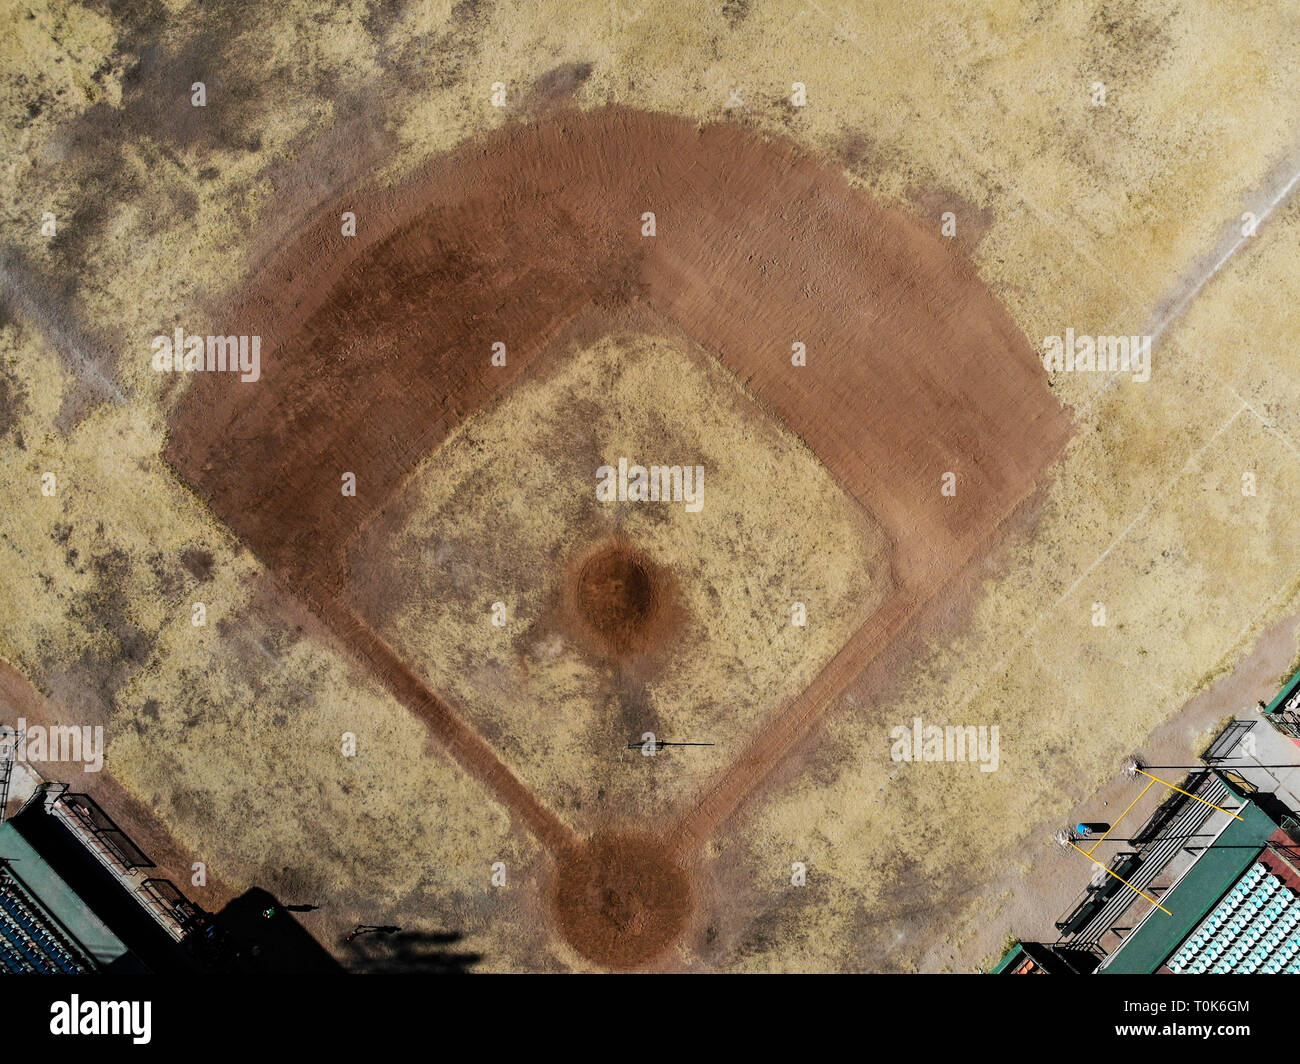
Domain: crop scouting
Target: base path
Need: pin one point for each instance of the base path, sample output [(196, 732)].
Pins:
[(473, 754), (775, 743)]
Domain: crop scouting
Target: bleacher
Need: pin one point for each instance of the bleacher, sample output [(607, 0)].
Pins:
[(1161, 839), (29, 943), (1255, 929)]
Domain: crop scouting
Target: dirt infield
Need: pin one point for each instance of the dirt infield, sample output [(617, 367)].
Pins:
[(455, 539), (375, 348)]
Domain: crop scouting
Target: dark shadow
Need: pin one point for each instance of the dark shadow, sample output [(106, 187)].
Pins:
[(240, 939), (1270, 804), (409, 952)]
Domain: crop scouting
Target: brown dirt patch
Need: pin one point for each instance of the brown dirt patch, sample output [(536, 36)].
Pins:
[(622, 601), (620, 899), (375, 347)]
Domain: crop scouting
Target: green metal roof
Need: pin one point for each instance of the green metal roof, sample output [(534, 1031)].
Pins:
[(1212, 876), (1288, 689), (58, 899), (1014, 954)]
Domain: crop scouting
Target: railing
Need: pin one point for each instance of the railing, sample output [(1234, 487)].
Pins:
[(130, 878), (22, 914)]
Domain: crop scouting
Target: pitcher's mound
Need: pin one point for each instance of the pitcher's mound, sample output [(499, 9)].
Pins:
[(622, 601)]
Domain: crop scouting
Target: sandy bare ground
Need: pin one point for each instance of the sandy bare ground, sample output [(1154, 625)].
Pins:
[(1077, 215)]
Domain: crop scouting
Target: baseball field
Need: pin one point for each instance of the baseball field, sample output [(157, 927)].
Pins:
[(799, 265)]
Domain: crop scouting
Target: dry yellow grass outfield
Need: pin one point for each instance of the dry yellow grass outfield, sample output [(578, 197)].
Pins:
[(1089, 217), (1094, 211), (503, 508), (53, 59)]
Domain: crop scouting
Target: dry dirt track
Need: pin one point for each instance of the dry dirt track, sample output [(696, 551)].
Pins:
[(375, 348)]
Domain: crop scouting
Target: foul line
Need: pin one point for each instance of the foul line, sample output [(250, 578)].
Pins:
[(1010, 654)]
